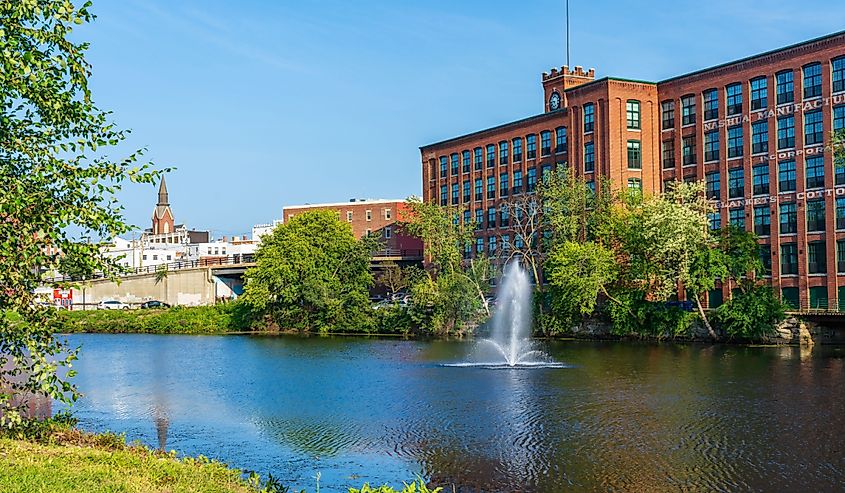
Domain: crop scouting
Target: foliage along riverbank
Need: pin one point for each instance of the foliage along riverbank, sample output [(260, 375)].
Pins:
[(52, 455)]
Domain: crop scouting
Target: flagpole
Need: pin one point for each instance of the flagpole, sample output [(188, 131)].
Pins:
[(567, 33)]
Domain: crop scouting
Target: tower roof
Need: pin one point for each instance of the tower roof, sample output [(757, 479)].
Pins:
[(162, 193)]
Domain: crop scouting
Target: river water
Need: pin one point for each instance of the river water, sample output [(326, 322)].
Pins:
[(620, 417)]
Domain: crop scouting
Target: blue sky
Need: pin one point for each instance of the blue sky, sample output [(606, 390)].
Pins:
[(260, 104)]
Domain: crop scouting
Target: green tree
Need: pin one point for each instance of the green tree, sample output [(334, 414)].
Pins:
[(311, 273), (59, 186), (752, 313), (577, 274)]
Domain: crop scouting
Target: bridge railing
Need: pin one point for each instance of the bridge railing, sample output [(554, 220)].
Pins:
[(807, 305), (239, 259), (396, 252)]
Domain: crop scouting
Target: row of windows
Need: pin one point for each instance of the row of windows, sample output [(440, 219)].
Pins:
[(787, 217), (477, 190), (816, 258), (814, 178), (811, 87), (813, 135), (507, 152), (633, 116)]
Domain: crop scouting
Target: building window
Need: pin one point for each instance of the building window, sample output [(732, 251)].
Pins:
[(465, 158), (491, 187), (735, 141), (668, 154), (467, 217), (668, 114), (815, 215), (816, 257), (589, 157), (504, 152), (713, 185), (531, 146), (387, 232), (455, 194), (491, 218), (560, 140), (760, 137), (737, 218), (688, 150), (762, 220), (840, 260), (155, 257), (766, 258), (788, 259), (837, 65), (786, 132), (491, 155), (479, 246), (733, 95), (517, 181), (634, 155), (467, 195), (813, 80), (591, 186), (759, 93), (788, 218), (786, 176), (531, 181), (632, 113), (688, 110), (813, 128), (478, 189), (517, 149), (479, 158), (815, 172), (545, 143), (444, 166), (455, 164), (711, 104), (785, 89), (479, 219), (589, 117), (715, 219), (444, 199), (635, 185), (839, 118), (711, 146), (491, 246), (504, 216), (503, 185), (760, 179), (144, 257), (349, 216), (840, 213), (546, 172), (736, 183)]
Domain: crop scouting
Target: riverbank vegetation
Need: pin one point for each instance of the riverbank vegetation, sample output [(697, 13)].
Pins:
[(217, 319), (53, 455)]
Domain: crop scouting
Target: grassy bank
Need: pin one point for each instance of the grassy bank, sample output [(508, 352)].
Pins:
[(53, 456), (177, 320)]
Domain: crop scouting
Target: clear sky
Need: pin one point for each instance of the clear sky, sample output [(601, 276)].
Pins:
[(262, 103)]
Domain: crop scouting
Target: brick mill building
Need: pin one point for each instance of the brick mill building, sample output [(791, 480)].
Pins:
[(754, 130)]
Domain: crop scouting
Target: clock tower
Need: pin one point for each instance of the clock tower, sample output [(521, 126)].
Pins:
[(557, 81)]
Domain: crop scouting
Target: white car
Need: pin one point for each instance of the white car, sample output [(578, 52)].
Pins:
[(112, 305)]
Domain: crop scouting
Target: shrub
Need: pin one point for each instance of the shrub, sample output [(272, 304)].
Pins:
[(632, 314), (752, 313), (417, 486)]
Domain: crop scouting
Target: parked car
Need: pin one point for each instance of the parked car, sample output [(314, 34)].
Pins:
[(154, 304), (112, 305)]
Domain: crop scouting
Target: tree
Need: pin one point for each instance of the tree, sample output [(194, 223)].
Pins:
[(59, 186), (578, 273), (394, 277), (311, 273), (526, 224), (451, 293)]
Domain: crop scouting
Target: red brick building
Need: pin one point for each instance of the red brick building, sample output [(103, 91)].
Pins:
[(372, 217), (754, 130)]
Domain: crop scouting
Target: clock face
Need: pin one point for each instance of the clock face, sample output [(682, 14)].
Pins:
[(554, 101)]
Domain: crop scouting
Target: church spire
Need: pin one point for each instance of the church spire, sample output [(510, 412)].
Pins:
[(163, 200)]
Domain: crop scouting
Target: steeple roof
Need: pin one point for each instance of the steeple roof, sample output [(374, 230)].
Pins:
[(163, 205)]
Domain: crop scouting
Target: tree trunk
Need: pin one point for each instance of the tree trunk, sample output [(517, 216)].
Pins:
[(704, 318)]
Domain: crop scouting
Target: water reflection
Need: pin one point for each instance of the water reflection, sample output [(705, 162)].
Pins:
[(623, 418)]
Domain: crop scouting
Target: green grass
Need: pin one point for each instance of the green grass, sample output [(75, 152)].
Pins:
[(218, 319), (57, 468)]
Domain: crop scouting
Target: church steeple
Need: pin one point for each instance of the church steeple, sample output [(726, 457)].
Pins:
[(163, 199)]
